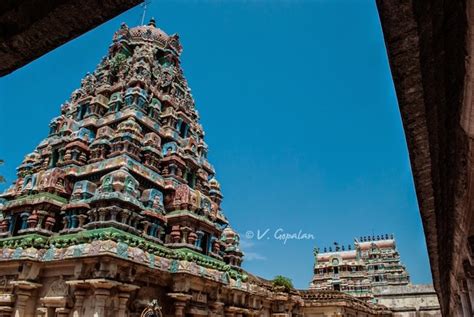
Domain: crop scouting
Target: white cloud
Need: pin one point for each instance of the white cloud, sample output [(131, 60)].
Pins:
[(254, 256), (246, 244)]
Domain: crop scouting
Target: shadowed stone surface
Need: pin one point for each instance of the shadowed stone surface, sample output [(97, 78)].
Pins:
[(426, 45), (32, 28)]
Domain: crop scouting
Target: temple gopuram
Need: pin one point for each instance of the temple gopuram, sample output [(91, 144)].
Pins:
[(371, 270), (118, 207)]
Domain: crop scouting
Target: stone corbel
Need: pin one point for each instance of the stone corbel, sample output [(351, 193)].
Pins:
[(231, 311), (79, 296), (180, 302), (102, 288), (56, 302), (57, 298), (217, 309), (254, 312), (125, 291), (23, 292), (7, 301)]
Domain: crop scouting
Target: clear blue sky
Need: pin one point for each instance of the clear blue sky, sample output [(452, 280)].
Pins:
[(300, 115)]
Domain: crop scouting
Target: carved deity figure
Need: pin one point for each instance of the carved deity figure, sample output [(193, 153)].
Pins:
[(107, 185), (129, 186), (88, 83), (182, 194)]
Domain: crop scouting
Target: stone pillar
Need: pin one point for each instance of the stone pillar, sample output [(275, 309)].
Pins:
[(199, 234), (209, 244), (24, 290), (179, 309), (180, 300), (101, 289), (79, 295), (146, 225), (22, 297), (100, 298), (184, 234), (123, 299), (125, 291)]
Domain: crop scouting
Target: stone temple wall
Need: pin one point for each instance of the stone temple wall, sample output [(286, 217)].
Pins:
[(409, 300)]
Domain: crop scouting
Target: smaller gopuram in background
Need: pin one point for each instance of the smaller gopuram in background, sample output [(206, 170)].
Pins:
[(371, 270)]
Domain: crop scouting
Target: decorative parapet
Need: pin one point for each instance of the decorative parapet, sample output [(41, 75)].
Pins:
[(36, 199), (117, 243), (313, 298)]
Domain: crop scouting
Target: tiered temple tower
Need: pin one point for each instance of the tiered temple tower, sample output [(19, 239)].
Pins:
[(127, 152), (118, 206), (372, 262), (371, 270)]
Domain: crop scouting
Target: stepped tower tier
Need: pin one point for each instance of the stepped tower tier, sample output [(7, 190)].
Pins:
[(126, 152)]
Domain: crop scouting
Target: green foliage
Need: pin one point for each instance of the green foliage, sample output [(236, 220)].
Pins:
[(282, 282)]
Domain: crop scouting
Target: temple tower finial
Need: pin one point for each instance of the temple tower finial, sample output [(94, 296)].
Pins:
[(145, 7)]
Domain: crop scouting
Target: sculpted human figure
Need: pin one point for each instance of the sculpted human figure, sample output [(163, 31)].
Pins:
[(157, 202), (107, 185), (129, 186)]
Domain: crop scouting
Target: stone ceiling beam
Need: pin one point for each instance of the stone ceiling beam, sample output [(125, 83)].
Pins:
[(32, 28)]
